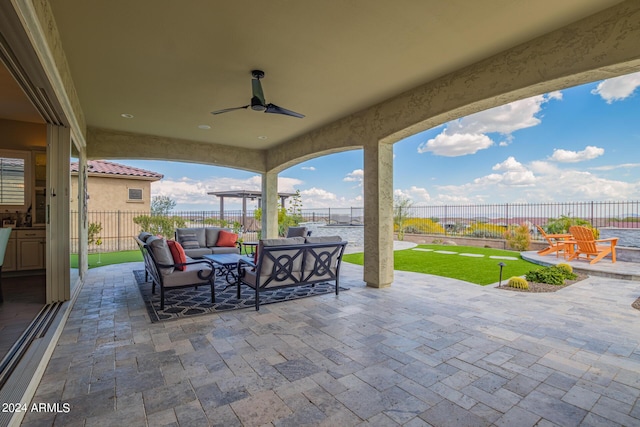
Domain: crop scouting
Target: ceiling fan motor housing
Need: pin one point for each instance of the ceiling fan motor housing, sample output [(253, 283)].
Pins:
[(256, 104)]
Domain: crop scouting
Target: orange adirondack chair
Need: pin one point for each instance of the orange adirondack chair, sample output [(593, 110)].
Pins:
[(588, 246), (556, 243)]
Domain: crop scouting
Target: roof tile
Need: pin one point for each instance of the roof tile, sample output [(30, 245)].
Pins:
[(110, 168)]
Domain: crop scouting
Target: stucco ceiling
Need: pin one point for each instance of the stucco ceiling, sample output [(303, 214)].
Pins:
[(169, 64)]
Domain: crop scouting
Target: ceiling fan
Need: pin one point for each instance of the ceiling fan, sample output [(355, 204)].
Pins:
[(257, 100)]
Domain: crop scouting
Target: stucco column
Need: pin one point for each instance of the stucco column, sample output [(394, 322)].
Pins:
[(269, 205), (378, 214)]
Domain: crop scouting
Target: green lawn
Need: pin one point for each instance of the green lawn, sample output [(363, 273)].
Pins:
[(479, 270), (108, 258)]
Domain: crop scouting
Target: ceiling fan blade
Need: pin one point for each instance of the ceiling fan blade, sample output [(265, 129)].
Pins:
[(226, 110), (256, 88), (272, 108)]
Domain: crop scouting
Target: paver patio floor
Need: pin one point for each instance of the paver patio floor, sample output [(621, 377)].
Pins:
[(425, 351)]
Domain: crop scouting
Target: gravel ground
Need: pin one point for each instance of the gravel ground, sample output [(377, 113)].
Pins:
[(545, 287)]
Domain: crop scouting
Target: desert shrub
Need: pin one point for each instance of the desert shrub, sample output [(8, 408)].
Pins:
[(518, 283), (518, 237), (551, 275), (485, 230), (422, 226)]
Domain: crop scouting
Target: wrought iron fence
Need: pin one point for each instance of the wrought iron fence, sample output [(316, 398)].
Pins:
[(118, 227)]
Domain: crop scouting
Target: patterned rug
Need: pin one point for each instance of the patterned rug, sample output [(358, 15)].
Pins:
[(187, 302)]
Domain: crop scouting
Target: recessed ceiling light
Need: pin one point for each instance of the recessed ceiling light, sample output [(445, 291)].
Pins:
[(204, 127), (126, 116), (262, 137)]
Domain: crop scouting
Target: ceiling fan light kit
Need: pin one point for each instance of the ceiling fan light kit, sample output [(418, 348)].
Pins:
[(257, 100)]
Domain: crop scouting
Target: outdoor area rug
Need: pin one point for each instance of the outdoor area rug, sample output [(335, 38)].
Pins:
[(186, 302)]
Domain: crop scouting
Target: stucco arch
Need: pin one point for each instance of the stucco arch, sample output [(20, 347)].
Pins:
[(109, 144), (598, 47)]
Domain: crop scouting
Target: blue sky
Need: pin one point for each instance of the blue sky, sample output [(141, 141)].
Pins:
[(578, 144)]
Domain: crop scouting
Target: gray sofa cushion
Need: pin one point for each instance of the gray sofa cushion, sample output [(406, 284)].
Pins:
[(186, 277), (323, 239), (198, 252), (268, 265), (318, 258), (224, 250), (282, 242), (161, 253)]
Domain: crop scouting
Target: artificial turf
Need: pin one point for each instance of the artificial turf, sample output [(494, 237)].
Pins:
[(479, 270), (108, 258)]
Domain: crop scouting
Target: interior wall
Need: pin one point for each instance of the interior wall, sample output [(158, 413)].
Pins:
[(22, 135)]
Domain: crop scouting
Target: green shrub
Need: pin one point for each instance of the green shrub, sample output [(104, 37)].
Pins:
[(160, 224), (518, 283), (551, 275), (561, 225)]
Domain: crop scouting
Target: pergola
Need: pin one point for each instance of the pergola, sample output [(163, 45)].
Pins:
[(244, 195)]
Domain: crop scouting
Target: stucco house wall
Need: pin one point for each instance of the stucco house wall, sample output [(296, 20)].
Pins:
[(109, 203)]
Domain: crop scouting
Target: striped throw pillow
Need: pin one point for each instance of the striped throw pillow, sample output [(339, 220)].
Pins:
[(189, 241)]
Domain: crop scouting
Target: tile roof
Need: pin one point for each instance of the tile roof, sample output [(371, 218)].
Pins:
[(102, 167)]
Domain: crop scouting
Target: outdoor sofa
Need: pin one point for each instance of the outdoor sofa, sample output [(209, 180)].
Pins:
[(294, 261), (201, 241)]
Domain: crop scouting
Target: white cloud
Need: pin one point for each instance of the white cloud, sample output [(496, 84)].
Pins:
[(468, 135), (417, 195), (458, 144), (613, 167), (354, 176), (511, 164), (617, 88), (542, 167), (308, 168), (516, 185), (566, 156), (318, 193)]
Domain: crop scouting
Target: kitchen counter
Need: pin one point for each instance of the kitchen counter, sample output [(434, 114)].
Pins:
[(35, 227)]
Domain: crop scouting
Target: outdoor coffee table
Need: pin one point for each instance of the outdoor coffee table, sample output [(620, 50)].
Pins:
[(228, 264)]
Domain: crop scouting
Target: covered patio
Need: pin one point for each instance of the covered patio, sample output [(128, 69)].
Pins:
[(428, 351), (113, 80)]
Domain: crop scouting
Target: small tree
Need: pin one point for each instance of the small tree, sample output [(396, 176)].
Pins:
[(286, 217), (93, 233), (401, 207), (162, 205)]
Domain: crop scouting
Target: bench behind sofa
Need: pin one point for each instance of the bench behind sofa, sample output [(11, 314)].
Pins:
[(292, 262)]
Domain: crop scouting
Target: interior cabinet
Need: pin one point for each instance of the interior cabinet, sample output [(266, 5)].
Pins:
[(25, 250), (30, 249), (9, 263)]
